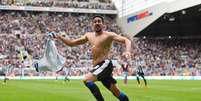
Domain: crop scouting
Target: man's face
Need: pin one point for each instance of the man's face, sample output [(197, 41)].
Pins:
[(97, 24)]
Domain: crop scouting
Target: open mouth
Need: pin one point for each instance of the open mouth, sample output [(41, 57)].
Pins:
[(97, 27)]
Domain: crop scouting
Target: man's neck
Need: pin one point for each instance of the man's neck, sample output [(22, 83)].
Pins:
[(98, 33)]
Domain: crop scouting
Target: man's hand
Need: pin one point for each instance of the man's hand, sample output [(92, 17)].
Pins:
[(127, 55), (55, 35), (52, 34)]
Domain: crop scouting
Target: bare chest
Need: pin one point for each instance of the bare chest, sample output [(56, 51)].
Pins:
[(99, 41)]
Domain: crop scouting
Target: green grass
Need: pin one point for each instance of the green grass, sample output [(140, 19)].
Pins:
[(51, 90)]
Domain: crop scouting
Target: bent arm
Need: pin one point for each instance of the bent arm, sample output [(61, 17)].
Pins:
[(123, 40), (74, 42)]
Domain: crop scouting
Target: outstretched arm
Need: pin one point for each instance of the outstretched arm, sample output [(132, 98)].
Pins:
[(74, 42)]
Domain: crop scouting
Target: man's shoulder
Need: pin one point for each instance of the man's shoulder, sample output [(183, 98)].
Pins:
[(110, 33), (103, 32)]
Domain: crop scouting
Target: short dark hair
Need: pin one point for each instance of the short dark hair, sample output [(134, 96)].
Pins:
[(98, 16)]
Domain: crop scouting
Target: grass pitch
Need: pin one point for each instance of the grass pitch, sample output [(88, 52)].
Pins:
[(51, 90)]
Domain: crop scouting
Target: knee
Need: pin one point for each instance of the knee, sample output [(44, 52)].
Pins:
[(89, 78)]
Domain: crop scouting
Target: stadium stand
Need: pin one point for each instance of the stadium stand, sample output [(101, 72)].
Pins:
[(159, 57)]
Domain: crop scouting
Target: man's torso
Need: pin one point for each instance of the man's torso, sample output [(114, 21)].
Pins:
[(101, 45)]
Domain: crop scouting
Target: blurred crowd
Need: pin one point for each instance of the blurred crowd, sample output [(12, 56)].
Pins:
[(86, 4), (23, 36), (169, 56)]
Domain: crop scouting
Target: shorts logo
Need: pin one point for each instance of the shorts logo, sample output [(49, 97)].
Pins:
[(101, 68)]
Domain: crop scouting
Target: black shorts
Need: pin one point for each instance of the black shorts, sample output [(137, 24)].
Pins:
[(103, 71), (2, 73), (140, 74)]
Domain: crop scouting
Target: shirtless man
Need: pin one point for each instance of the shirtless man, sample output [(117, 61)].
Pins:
[(101, 42)]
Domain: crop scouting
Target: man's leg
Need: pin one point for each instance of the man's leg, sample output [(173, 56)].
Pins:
[(138, 80), (66, 78), (56, 76), (110, 84), (125, 78), (66, 75), (145, 81), (89, 82), (4, 79)]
